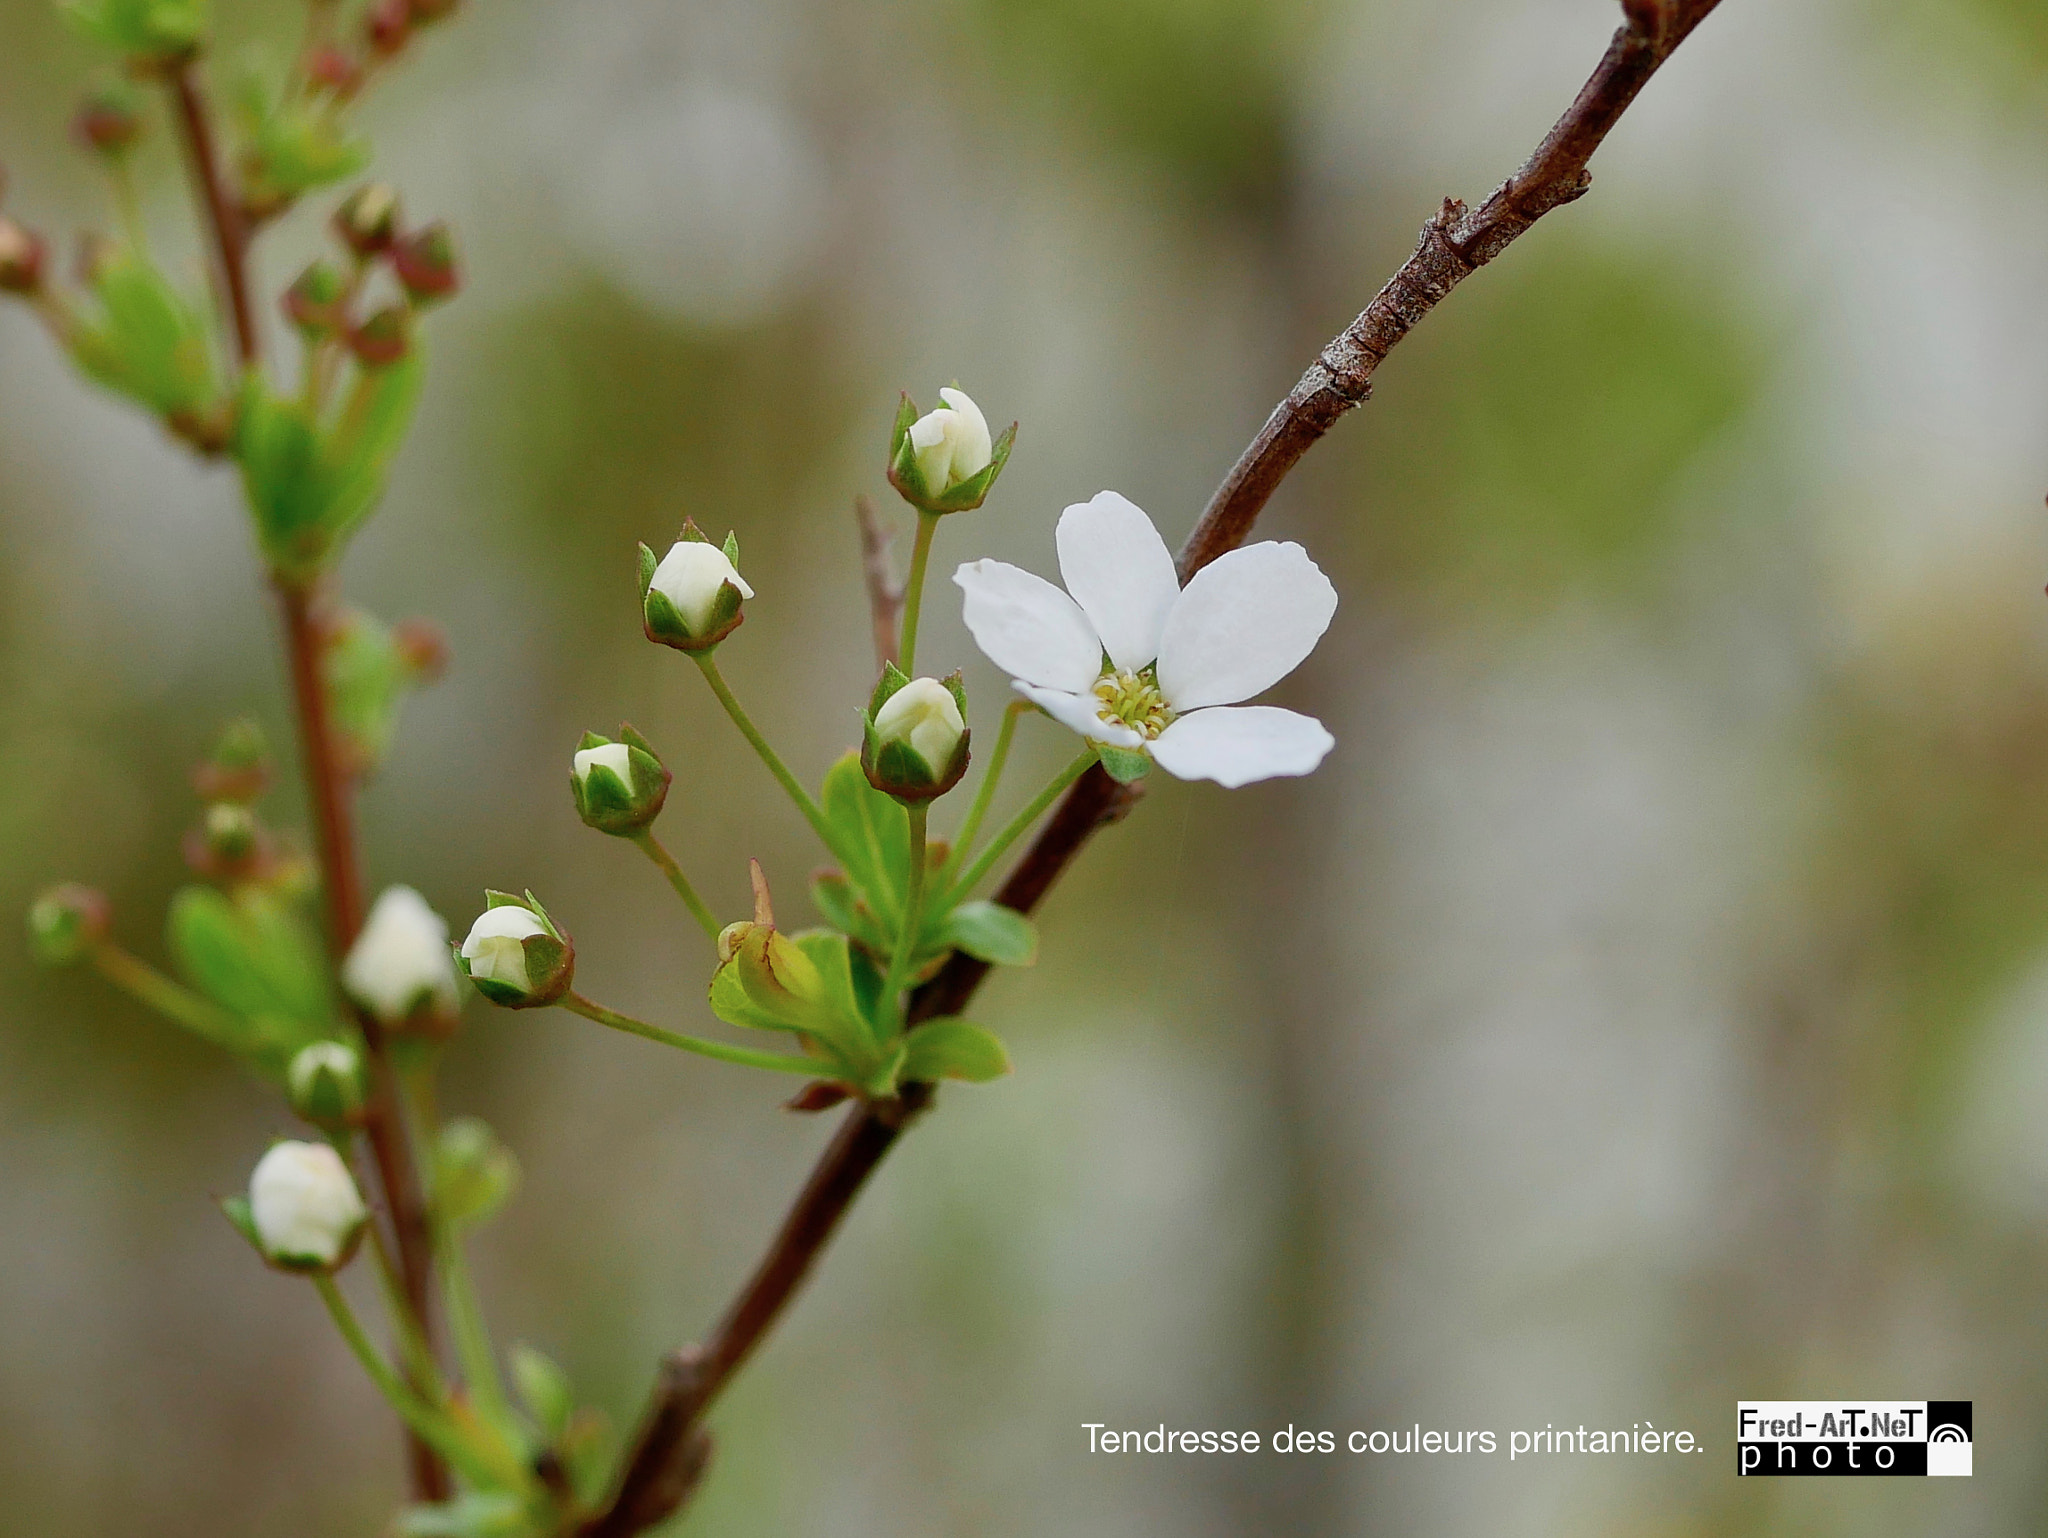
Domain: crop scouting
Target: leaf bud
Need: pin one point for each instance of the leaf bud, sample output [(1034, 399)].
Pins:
[(474, 1173), (314, 301), (515, 955), (383, 339), (944, 460), (619, 786), (66, 922), (400, 970), (915, 744), (367, 220), (333, 69), (108, 121), (239, 767), (325, 1083), (303, 1212), (691, 598), (425, 263), (23, 256)]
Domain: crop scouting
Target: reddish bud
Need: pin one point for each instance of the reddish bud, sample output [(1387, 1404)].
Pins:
[(381, 340), (108, 123), (368, 221), (422, 648), (425, 263), (22, 258), (329, 68), (388, 26), (313, 302)]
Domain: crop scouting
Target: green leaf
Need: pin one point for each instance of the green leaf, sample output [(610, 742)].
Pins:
[(477, 1514), (140, 337), (852, 1034), (292, 146), (842, 907), (988, 931), (152, 29), (474, 1173), (873, 838), (545, 1391), (953, 1048), (256, 958)]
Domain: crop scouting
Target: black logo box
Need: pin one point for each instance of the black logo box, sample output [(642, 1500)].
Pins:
[(1834, 1458)]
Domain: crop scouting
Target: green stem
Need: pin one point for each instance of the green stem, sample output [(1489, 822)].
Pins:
[(413, 1349), (779, 1062), (913, 910), (127, 206), (1018, 825), (427, 1424), (913, 589), (984, 794), (652, 848), (776, 767), (145, 983), (473, 1338)]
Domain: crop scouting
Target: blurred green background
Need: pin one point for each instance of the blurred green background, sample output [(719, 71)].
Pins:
[(1645, 1007)]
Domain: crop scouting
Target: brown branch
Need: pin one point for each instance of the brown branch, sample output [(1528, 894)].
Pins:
[(328, 788), (224, 213), (669, 1454), (885, 593)]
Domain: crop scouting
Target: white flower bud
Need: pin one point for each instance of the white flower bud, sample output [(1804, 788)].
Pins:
[(399, 966), (923, 714), (304, 1206), (614, 756), (496, 947), (515, 956), (325, 1084), (691, 575), (952, 443)]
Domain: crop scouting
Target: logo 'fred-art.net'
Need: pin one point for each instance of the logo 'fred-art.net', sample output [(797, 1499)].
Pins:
[(1853, 1437)]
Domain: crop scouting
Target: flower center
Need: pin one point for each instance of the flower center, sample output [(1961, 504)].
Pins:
[(1135, 700)]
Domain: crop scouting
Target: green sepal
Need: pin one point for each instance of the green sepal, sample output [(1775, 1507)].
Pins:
[(649, 561), (545, 1390), (291, 146), (1124, 764), (142, 338), (255, 957), (475, 1174), (893, 679), (663, 622), (907, 476), (973, 491), (236, 1210), (953, 1048), (990, 932), (620, 807), (732, 548)]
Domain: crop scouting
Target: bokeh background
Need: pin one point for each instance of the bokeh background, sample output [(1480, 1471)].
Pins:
[(1645, 1007)]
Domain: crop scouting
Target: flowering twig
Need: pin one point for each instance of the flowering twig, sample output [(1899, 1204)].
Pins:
[(668, 1457)]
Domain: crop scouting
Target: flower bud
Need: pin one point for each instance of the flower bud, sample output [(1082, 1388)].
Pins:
[(108, 122), (474, 1173), (425, 263), (325, 1083), (944, 461), (314, 301), (915, 746), (381, 340), (66, 922), (239, 768), (367, 221), (516, 956), (619, 786), (399, 968), (230, 833), (691, 599), (22, 258), (422, 648), (332, 69), (388, 26), (304, 1211)]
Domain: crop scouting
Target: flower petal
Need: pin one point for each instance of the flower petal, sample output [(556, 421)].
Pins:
[(1121, 573), (1244, 623), (1236, 745), (1080, 713), (1029, 628)]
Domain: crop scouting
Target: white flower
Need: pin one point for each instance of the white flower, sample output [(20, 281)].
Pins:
[(1178, 659), (399, 963), (923, 714), (690, 577), (952, 443), (304, 1205), (496, 949), (612, 755)]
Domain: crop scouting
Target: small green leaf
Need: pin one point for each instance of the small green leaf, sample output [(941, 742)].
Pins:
[(236, 1210), (474, 1173), (953, 1048), (545, 1391), (476, 1514), (988, 931), (147, 29), (871, 838), (141, 337), (256, 958), (731, 1002)]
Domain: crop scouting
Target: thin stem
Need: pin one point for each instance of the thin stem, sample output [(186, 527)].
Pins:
[(779, 1062), (224, 214), (423, 1420), (473, 1337), (652, 847), (913, 589), (709, 665), (908, 936), (984, 794), (145, 983), (1021, 823), (121, 177)]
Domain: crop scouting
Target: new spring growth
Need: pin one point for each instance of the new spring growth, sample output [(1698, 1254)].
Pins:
[(515, 955), (66, 922), (944, 461), (425, 263), (367, 220), (915, 744), (399, 968), (474, 1173), (108, 120), (314, 304), (691, 598), (23, 257), (303, 1212), (619, 785), (325, 1083), (238, 769)]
